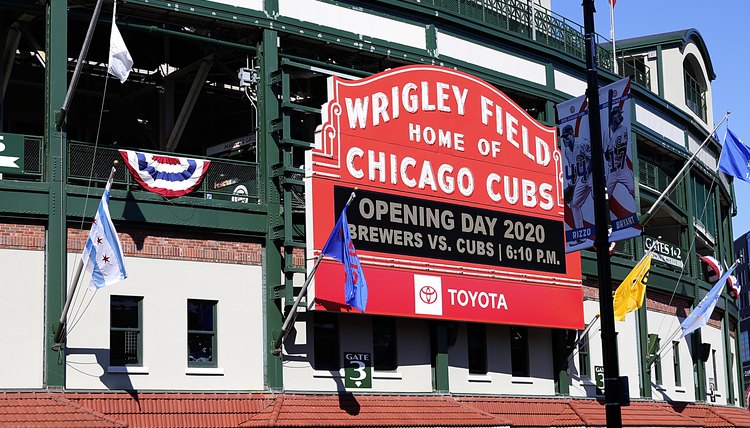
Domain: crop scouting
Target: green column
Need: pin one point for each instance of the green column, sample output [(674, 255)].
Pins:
[(642, 323), (56, 79), (269, 155), (441, 331), (699, 366), (728, 355)]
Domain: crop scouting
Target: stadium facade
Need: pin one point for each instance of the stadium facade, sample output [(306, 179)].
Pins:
[(188, 338)]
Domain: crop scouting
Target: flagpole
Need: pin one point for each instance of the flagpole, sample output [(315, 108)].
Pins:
[(612, 32), (646, 217), (79, 65), (76, 277), (734, 265), (293, 311)]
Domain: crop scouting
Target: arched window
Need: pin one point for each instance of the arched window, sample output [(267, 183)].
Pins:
[(695, 86)]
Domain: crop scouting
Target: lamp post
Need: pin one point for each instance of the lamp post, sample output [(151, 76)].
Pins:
[(614, 386)]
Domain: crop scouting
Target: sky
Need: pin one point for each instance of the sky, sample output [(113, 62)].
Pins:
[(723, 25)]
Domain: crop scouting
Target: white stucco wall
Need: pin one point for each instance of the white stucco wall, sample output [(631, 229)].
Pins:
[(491, 59), (713, 336), (22, 318), (499, 378), (674, 82), (360, 24), (628, 350), (414, 372), (664, 326), (246, 4), (166, 286)]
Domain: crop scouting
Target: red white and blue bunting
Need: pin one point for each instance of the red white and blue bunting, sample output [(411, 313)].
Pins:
[(169, 176)]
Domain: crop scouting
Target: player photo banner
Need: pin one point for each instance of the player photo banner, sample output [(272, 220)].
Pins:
[(575, 142), (618, 160)]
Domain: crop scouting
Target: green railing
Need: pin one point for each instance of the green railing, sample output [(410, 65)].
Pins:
[(33, 161), (655, 178), (515, 16), (635, 68), (222, 181)]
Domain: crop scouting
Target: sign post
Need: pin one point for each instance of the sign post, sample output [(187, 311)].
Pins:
[(601, 212)]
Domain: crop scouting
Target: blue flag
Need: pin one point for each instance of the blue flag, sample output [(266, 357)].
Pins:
[(102, 254), (702, 313), (735, 157), (340, 247)]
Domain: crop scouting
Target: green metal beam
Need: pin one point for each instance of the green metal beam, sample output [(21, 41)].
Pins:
[(55, 142), (24, 198), (269, 154)]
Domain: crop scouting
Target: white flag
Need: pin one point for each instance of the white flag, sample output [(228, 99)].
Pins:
[(120, 61)]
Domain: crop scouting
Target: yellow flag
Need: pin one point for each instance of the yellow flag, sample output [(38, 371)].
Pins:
[(629, 295)]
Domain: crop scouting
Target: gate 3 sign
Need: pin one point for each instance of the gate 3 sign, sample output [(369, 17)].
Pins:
[(459, 212)]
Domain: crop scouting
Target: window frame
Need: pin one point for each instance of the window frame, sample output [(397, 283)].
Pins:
[(584, 357), (520, 366), (384, 358), (331, 346), (214, 333), (476, 347), (654, 342), (676, 363), (138, 330)]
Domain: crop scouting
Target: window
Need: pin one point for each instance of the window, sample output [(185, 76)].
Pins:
[(519, 351), (584, 359), (744, 345), (716, 378), (653, 357), (201, 333), (676, 362), (326, 341), (125, 331), (384, 349), (477, 347), (695, 93)]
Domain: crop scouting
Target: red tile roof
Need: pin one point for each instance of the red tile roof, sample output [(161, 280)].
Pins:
[(162, 410), (292, 410), (146, 410), (43, 409), (575, 412), (715, 416)]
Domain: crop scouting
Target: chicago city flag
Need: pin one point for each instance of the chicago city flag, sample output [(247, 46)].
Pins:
[(702, 313), (102, 255), (340, 247)]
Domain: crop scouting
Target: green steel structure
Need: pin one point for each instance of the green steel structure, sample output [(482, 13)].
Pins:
[(184, 98)]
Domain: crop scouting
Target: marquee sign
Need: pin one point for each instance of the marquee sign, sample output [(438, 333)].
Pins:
[(459, 207)]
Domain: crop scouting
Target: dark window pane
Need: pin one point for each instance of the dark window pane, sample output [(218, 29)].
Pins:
[(384, 343), (124, 312), (123, 348), (477, 347), (326, 332), (519, 351), (200, 347), (201, 315)]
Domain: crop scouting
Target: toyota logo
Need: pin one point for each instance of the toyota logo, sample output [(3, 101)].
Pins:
[(428, 294)]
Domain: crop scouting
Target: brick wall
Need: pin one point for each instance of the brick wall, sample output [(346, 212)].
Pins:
[(176, 245), (18, 236)]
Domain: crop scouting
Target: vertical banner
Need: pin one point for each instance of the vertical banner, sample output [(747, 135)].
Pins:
[(573, 126), (618, 160), (575, 141)]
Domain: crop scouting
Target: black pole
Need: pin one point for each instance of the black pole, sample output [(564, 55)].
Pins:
[(612, 383)]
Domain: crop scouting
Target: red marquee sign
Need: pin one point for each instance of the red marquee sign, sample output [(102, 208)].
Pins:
[(459, 207)]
